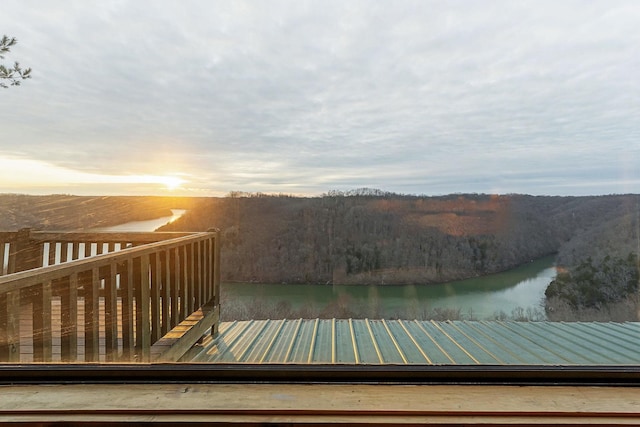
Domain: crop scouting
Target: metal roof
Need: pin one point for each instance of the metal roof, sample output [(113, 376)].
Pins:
[(365, 341)]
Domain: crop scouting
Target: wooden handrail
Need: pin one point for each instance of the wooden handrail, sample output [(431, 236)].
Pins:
[(22, 279), (135, 295), (27, 249)]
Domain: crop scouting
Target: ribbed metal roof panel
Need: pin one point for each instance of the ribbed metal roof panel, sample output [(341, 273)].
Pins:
[(366, 341)]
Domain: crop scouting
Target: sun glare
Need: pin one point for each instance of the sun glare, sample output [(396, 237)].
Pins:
[(171, 182)]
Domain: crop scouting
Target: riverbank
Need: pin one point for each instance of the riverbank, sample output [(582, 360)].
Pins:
[(516, 293)]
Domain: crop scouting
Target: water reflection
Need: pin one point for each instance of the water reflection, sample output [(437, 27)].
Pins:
[(478, 298), (148, 225)]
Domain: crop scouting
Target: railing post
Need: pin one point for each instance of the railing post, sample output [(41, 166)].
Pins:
[(216, 283), (215, 242), (10, 327), (24, 254)]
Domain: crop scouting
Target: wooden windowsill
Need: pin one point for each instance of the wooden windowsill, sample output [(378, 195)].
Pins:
[(321, 403)]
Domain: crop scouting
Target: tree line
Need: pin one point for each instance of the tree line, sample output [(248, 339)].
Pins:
[(384, 238)]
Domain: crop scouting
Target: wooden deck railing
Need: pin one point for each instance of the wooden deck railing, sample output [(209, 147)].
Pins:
[(106, 296)]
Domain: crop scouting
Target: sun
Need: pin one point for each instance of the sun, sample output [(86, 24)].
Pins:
[(171, 182)]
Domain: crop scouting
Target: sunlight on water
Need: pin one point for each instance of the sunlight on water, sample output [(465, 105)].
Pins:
[(148, 225)]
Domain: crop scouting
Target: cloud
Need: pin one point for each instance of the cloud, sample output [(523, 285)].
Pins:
[(414, 96)]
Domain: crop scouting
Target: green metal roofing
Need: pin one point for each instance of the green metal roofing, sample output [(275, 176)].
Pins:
[(364, 341)]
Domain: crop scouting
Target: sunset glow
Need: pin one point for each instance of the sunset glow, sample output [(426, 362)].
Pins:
[(55, 179)]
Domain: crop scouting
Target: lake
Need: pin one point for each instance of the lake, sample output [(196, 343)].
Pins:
[(478, 298)]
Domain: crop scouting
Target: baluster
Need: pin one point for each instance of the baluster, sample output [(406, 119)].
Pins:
[(69, 318), (143, 333), (203, 245), (44, 259), (92, 316), (41, 316), (126, 292), (52, 252), (3, 266), (64, 249), (175, 286), (192, 279), (75, 250), (111, 313), (185, 295), (199, 282), (166, 291), (209, 268), (156, 281)]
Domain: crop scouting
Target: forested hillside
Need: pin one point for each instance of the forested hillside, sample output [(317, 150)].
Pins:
[(386, 239), (598, 279)]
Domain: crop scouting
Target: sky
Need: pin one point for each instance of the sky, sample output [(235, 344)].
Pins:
[(200, 98)]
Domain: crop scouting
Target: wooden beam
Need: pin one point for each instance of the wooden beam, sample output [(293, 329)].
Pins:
[(109, 237), (180, 339)]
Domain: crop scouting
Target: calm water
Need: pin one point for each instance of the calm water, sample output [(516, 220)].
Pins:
[(480, 297)]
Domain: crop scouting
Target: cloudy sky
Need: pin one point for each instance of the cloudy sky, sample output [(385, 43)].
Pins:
[(302, 97)]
